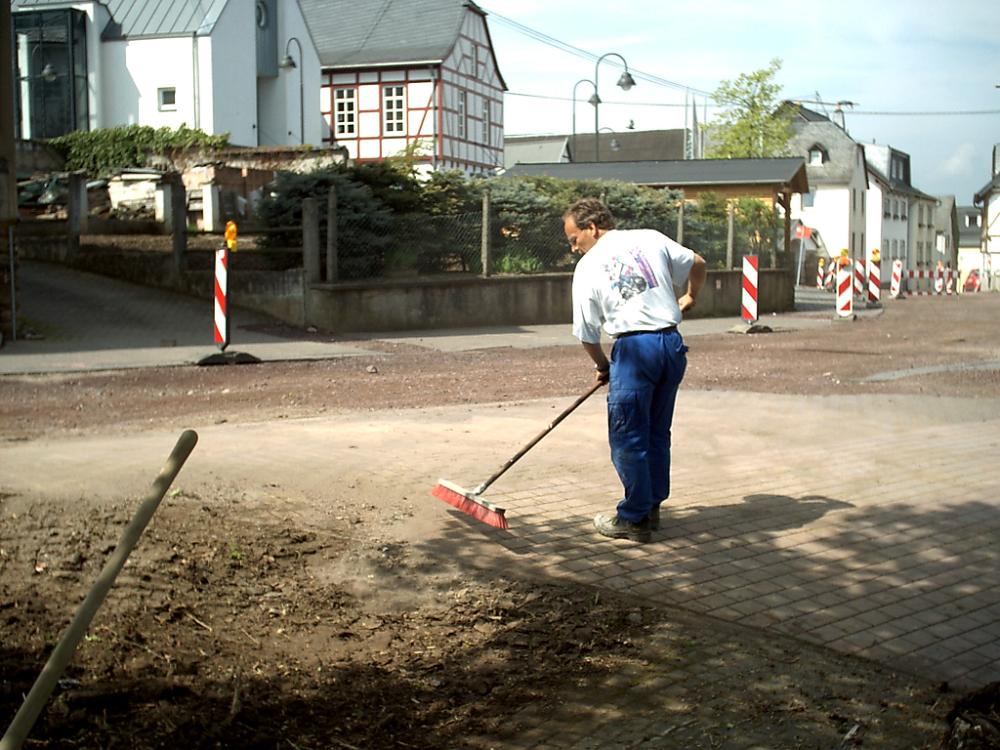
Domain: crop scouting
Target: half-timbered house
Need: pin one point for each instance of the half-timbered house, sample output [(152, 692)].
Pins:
[(416, 76)]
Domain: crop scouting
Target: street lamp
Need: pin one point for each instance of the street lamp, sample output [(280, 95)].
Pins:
[(289, 62), (594, 100), (625, 82), (615, 143)]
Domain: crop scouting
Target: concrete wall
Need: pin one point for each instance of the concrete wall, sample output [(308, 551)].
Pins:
[(509, 300)]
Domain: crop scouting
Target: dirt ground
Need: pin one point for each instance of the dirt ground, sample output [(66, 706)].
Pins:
[(232, 629)]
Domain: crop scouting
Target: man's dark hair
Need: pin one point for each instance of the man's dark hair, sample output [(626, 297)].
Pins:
[(589, 211)]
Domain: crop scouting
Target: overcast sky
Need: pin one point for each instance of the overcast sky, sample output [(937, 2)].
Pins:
[(894, 56)]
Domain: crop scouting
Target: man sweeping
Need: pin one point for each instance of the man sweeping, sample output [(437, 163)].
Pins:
[(624, 282)]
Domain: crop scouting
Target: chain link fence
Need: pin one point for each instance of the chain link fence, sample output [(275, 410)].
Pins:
[(385, 245)]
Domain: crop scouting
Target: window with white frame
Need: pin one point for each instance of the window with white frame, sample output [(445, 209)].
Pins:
[(345, 111), (393, 110), (462, 111), (808, 199), (487, 122), (166, 99), (885, 208), (817, 156)]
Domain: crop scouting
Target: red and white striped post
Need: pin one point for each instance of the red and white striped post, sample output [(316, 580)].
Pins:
[(749, 306), (949, 280), (859, 277), (845, 297), (831, 274), (819, 273), (896, 280), (875, 278), (222, 287)]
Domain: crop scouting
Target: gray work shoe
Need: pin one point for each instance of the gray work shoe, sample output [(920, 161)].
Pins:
[(654, 518), (616, 527)]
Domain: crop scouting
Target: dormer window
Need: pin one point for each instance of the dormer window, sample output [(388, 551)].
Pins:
[(817, 156)]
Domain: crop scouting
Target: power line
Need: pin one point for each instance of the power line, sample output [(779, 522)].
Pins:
[(603, 101), (569, 48), (930, 113)]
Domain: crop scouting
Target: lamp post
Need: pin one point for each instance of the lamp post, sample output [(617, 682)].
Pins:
[(289, 62), (625, 82), (615, 144), (594, 99)]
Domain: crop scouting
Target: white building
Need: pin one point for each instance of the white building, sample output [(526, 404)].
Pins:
[(835, 208), (988, 201), (213, 65), (418, 76), (901, 218)]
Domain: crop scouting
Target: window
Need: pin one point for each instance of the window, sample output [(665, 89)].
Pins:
[(902, 209), (971, 220), (50, 73), (885, 208), (167, 99), (817, 156), (344, 111), (461, 113), (393, 110), (808, 199), (487, 124)]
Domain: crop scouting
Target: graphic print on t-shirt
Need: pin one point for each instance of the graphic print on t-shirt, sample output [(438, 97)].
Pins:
[(630, 274)]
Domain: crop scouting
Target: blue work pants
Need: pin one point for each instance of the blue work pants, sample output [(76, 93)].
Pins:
[(646, 370)]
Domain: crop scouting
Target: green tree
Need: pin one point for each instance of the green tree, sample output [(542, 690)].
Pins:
[(752, 123)]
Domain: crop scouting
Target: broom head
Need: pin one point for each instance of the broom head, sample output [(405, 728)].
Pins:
[(470, 504)]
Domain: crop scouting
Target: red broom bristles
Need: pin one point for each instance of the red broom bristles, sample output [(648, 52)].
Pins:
[(481, 510)]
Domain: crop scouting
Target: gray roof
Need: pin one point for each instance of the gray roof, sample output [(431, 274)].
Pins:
[(988, 189), (146, 18), (633, 145), (679, 173), (968, 236), (899, 186), (352, 34), (534, 149), (841, 149)]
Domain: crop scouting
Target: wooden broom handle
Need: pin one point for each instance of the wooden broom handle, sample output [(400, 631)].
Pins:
[(566, 412)]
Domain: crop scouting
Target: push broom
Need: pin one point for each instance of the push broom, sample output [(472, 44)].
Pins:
[(471, 503)]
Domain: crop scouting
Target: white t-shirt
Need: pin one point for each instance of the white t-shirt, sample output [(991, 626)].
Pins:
[(625, 282)]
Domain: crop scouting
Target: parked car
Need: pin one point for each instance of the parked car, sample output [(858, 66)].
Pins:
[(972, 281)]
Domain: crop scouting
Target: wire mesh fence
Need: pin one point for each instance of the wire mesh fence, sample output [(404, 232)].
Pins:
[(421, 244), (374, 244)]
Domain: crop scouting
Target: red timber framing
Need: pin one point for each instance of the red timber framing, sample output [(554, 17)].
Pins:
[(453, 108), (430, 116)]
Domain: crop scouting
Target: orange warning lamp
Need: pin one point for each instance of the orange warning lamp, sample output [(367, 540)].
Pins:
[(231, 235), (876, 255), (821, 262), (844, 259)]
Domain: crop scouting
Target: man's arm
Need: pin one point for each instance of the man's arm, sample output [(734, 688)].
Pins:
[(696, 278), (601, 364)]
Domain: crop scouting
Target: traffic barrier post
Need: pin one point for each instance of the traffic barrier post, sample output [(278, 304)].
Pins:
[(749, 306)]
